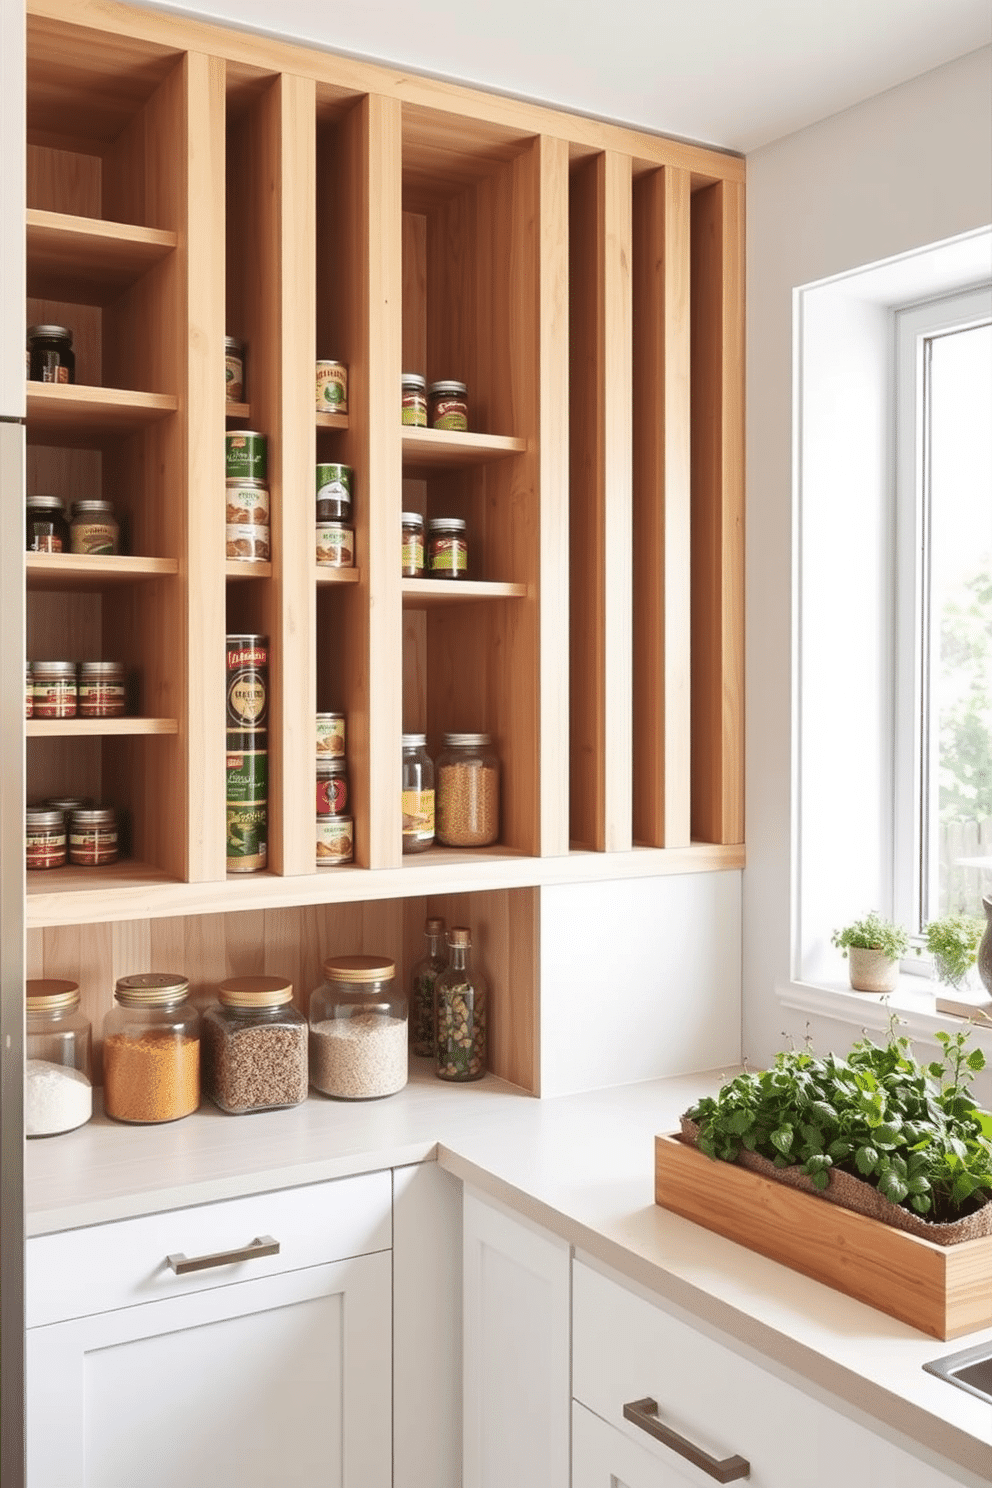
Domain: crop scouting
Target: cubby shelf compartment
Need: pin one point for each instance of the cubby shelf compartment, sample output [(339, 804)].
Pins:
[(234, 568), (237, 410), (423, 592), (326, 575), (61, 413), (92, 571), (447, 449), (88, 261), (69, 728), (332, 420)]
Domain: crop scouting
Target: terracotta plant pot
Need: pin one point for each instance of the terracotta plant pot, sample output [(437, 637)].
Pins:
[(872, 971)]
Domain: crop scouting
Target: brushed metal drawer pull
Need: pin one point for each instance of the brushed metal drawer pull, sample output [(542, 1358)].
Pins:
[(263, 1246), (644, 1413)]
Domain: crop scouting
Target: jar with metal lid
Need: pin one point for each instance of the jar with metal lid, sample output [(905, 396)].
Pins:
[(53, 684), (58, 1090), (335, 545), (417, 794), (47, 525), (151, 1050), (68, 804), (422, 978), (331, 386), (447, 548), (334, 844), (358, 1029), (254, 1046), (332, 787), (101, 689), (413, 546), (447, 405), (414, 400), (93, 836), (28, 691), (44, 838), (334, 483), (94, 528), (467, 791), (460, 997), (234, 370), (330, 736), (51, 357)]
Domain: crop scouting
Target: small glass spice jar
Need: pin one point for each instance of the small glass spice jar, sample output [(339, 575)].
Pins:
[(414, 400), (447, 405), (358, 1029), (101, 689), (422, 978), (255, 1046), (47, 525), (93, 839), (417, 794), (94, 528), (332, 787), (447, 548), (50, 353), (234, 370), (151, 1050), (467, 791), (58, 1090), (460, 997), (55, 690), (69, 804), (413, 546), (44, 838), (28, 691)]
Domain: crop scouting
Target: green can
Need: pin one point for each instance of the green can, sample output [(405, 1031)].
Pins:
[(334, 483), (247, 838), (246, 455), (247, 767)]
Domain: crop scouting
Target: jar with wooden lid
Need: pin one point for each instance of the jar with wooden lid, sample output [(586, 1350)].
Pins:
[(151, 1050), (58, 1091), (467, 791), (255, 1046), (358, 1029), (422, 979), (460, 997)]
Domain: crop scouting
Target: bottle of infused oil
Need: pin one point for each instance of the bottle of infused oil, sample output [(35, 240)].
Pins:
[(460, 1013), (422, 979)]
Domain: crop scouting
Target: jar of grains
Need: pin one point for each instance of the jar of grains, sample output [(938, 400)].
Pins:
[(460, 1013), (255, 1046), (151, 1050), (417, 794), (422, 978), (58, 1094), (467, 791), (358, 1029)]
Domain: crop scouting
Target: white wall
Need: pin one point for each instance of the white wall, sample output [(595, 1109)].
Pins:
[(904, 169)]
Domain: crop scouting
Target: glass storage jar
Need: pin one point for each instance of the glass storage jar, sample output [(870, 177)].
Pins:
[(358, 1029), (447, 405), (93, 838), (55, 689), (413, 399), (50, 354), (422, 978), (58, 1093), (44, 838), (467, 791), (94, 528), (460, 997), (447, 548), (47, 527), (412, 559), (417, 794), (151, 1050), (255, 1046)]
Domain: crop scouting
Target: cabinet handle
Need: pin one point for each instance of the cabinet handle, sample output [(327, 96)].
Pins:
[(644, 1413), (253, 1251)]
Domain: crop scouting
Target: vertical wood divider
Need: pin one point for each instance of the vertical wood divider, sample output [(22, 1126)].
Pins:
[(718, 513)]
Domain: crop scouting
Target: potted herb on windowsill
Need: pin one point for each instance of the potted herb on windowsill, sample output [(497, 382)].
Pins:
[(874, 947), (953, 944)]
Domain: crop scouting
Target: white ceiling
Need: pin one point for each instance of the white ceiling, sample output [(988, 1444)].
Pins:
[(734, 73)]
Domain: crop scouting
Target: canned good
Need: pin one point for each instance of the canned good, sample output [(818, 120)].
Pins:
[(44, 838), (50, 354), (246, 502), (94, 528), (247, 837), (335, 841), (246, 454), (234, 370), (447, 548), (332, 787), (414, 400), (53, 684), (93, 837), (332, 387), (330, 735), (335, 545), (448, 405), (247, 680), (335, 483), (248, 544), (29, 692), (101, 689), (47, 527), (247, 767)]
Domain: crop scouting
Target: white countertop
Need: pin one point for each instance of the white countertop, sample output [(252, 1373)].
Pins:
[(583, 1166)]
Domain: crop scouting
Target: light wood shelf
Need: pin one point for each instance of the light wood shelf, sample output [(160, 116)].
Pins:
[(427, 450), (423, 592), (96, 728), (332, 421), (325, 574), (236, 568), (81, 571), (87, 261), (60, 413), (241, 411)]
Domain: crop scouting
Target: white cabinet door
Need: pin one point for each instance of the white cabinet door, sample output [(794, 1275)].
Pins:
[(516, 1351), (603, 1458), (284, 1381)]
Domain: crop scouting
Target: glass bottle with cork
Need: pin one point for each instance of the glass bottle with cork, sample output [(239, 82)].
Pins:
[(422, 979), (460, 997)]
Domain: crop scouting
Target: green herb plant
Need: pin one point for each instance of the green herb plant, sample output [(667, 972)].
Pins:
[(913, 1132), (872, 934), (953, 944)]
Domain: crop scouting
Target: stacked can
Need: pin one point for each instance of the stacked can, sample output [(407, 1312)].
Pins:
[(335, 530), (247, 753), (247, 497), (335, 825)]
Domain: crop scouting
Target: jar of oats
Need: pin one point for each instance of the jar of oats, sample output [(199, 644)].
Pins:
[(358, 1029), (467, 791), (255, 1046)]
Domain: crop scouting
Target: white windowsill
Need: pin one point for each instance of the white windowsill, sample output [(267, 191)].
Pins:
[(913, 1002)]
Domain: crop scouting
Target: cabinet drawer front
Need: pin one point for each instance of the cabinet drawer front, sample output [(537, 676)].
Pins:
[(79, 1272)]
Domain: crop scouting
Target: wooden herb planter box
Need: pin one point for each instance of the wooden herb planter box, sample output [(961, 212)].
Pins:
[(943, 1290)]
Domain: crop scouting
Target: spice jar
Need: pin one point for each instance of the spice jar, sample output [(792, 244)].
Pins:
[(234, 370), (28, 691), (332, 787), (460, 1013), (447, 548), (44, 838), (50, 354), (53, 684), (151, 1050), (94, 528), (358, 1029), (467, 791), (255, 1046), (413, 546), (447, 405), (47, 525), (101, 689), (417, 794), (414, 400), (93, 837), (58, 1093), (422, 978)]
